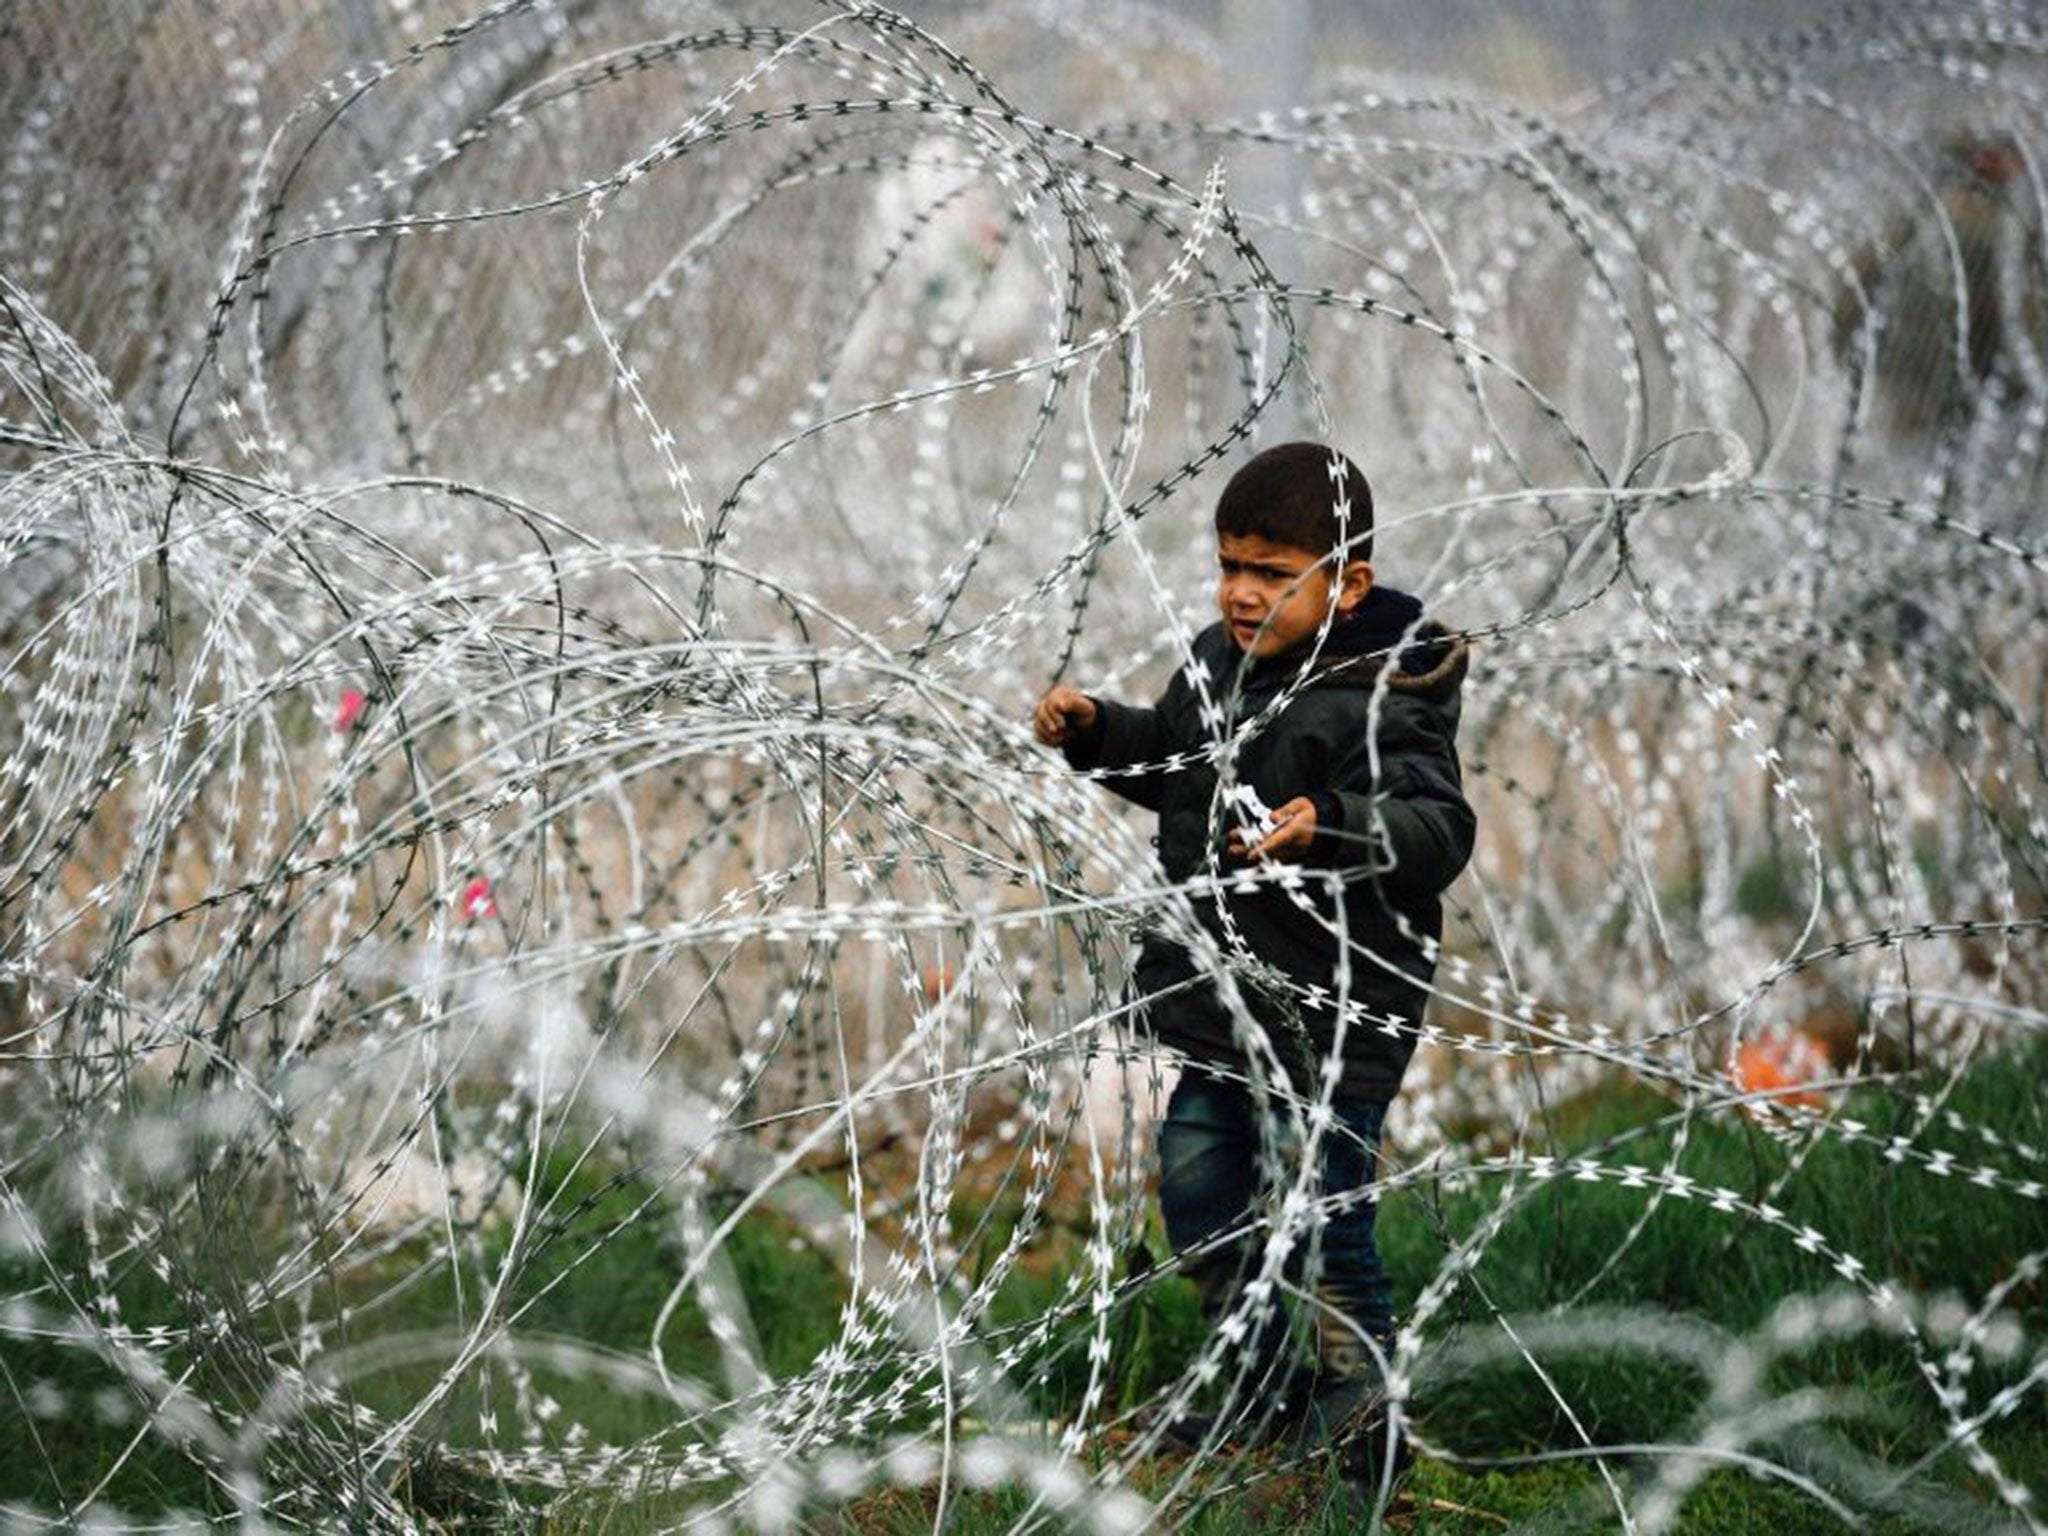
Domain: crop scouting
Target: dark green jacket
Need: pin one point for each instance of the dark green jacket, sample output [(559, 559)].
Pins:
[(1392, 820)]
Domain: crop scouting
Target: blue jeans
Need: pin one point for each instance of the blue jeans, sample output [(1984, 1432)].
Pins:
[(1209, 1184)]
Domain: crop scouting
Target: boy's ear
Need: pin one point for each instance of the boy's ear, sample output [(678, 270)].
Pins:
[(1353, 584)]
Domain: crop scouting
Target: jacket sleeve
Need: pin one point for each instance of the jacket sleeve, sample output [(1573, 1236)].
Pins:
[(1127, 736), (1410, 824)]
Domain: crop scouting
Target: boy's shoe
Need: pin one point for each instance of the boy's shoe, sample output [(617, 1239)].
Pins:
[(1189, 1430), (1347, 1417), (1363, 1461), (1260, 1421)]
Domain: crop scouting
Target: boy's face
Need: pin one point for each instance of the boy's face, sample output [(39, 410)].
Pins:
[(1273, 596)]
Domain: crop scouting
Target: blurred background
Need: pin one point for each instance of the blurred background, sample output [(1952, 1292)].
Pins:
[(530, 539)]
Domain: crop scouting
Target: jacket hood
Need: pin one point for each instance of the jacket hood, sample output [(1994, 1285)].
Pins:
[(1431, 664)]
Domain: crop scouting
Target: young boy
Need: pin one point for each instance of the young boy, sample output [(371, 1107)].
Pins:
[(1361, 770)]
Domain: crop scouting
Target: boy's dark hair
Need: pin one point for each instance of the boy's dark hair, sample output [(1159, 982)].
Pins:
[(1289, 494)]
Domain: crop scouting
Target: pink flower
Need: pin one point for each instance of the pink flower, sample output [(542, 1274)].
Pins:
[(476, 900), (352, 702)]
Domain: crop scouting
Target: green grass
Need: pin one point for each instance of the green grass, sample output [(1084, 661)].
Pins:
[(67, 1419), (1571, 1242), (1568, 1251)]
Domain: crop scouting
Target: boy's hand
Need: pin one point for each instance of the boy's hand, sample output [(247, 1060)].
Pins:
[(1062, 714), (1294, 828)]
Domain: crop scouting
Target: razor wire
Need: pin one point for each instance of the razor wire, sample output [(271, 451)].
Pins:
[(528, 559)]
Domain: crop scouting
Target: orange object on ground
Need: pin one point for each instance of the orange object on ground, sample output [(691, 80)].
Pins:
[(1777, 1061)]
